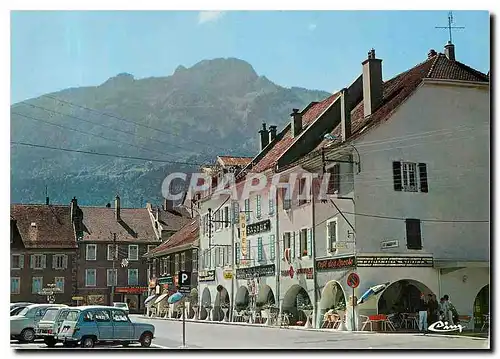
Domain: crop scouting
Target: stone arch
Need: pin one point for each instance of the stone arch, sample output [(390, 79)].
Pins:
[(222, 299), (206, 303), (401, 296), (332, 295), (481, 306), (265, 296), (295, 294), (242, 299)]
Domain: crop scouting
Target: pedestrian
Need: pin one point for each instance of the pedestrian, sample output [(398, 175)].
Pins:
[(452, 315), (433, 309), (422, 307), (441, 309)]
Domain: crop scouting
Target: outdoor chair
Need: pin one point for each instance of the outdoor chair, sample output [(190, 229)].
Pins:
[(465, 320), (486, 321)]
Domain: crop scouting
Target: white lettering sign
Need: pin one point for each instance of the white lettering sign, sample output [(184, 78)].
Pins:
[(441, 327)]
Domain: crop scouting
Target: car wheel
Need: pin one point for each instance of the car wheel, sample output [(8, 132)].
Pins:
[(28, 335), (87, 342), (50, 342), (145, 340)]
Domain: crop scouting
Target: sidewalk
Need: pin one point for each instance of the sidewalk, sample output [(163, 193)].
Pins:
[(310, 329)]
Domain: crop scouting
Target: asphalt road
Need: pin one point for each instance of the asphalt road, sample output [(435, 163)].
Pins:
[(220, 336), (39, 344)]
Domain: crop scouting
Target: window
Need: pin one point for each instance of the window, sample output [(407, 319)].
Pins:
[(286, 196), (151, 247), (112, 252), (303, 242), (111, 277), (271, 205), (91, 252), (413, 234), (272, 247), (195, 259), (102, 315), (90, 278), (59, 282), (36, 285), (15, 285), (287, 238), (59, 261), (133, 276), (260, 255), (334, 179), (410, 177), (176, 264), (226, 216), (119, 316), (133, 252), (38, 261), (302, 192), (168, 263), (247, 209), (258, 205), (183, 261), (17, 261), (331, 234), (236, 212)]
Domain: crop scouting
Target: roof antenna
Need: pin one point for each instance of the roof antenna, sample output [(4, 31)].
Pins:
[(450, 27)]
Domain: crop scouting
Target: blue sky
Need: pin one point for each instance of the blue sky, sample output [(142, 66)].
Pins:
[(51, 51)]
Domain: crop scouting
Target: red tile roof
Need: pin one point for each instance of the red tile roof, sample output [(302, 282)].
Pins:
[(52, 225), (172, 220), (186, 235), (235, 161), (100, 224)]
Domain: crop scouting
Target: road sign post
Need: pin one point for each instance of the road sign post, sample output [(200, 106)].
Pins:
[(353, 282), (184, 280)]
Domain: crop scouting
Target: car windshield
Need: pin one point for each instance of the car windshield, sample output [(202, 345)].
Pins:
[(16, 311), (24, 311), (121, 305), (72, 315), (50, 314)]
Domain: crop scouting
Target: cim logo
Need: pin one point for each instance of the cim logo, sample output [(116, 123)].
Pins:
[(441, 327)]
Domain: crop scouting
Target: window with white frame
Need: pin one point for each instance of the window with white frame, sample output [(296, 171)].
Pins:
[(176, 263), (133, 276), (183, 261), (410, 176), (90, 277), (194, 254), (38, 261), (133, 252), (15, 285), (331, 234), (409, 173), (303, 242), (111, 277), (59, 282), (36, 285), (287, 239), (258, 206), (91, 253), (17, 261), (112, 252), (59, 261)]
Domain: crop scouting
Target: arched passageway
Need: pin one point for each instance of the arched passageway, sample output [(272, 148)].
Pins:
[(265, 296), (481, 306), (242, 299), (332, 297), (295, 301), (222, 300), (206, 303), (402, 296)]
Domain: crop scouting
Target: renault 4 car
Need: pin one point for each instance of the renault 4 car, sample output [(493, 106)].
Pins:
[(23, 325), (50, 323)]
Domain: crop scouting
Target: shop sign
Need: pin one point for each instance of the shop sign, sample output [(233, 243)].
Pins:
[(131, 290), (389, 244), (259, 271), (77, 298), (403, 261), (165, 280), (259, 227), (206, 276), (243, 234), (336, 263), (227, 274), (290, 272), (95, 299)]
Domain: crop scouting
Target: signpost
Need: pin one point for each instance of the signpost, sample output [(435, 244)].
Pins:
[(184, 280), (353, 282)]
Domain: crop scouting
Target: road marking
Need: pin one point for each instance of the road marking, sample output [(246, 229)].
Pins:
[(160, 346)]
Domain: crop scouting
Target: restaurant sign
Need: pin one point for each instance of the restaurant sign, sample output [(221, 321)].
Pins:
[(259, 271), (403, 261), (131, 290), (291, 272), (165, 280), (335, 263), (259, 227), (206, 276)]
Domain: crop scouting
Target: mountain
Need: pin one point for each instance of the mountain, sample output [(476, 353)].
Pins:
[(215, 107)]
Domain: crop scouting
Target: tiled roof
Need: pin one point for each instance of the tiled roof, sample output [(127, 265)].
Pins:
[(186, 235), (172, 220), (52, 225), (234, 161), (285, 140), (100, 223)]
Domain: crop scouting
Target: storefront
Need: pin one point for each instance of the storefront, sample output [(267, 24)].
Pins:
[(207, 288), (134, 296)]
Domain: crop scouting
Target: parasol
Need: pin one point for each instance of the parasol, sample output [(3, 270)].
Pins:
[(376, 289), (174, 298)]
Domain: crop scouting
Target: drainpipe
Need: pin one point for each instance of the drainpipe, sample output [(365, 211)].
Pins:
[(231, 307), (313, 254), (278, 254)]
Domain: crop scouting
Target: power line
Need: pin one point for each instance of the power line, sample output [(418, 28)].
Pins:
[(132, 122), (421, 220), (104, 154)]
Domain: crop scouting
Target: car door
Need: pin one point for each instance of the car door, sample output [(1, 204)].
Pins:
[(122, 327), (104, 325), (39, 313)]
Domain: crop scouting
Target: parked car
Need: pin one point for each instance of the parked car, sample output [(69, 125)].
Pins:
[(22, 325), (17, 310), (20, 304), (50, 323), (122, 305), (90, 325)]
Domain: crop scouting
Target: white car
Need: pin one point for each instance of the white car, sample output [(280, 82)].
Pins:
[(121, 305), (23, 325)]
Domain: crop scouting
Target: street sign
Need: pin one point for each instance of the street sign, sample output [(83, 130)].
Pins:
[(184, 280), (353, 280)]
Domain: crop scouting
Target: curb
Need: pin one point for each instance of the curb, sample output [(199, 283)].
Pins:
[(311, 329)]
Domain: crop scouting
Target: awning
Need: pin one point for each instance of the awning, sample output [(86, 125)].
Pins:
[(148, 299), (160, 298)]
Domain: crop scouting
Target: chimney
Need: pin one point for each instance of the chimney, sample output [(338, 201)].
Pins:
[(157, 214), (345, 114), (73, 206), (264, 137), (449, 51), (296, 122), (47, 200), (431, 53), (272, 133), (372, 83), (117, 208), (168, 205)]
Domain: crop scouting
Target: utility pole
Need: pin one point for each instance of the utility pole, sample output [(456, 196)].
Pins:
[(114, 277), (233, 257)]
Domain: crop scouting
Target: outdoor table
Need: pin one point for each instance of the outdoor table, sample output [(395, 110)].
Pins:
[(225, 310), (308, 313)]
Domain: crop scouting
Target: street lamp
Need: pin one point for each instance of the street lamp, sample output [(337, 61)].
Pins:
[(331, 137)]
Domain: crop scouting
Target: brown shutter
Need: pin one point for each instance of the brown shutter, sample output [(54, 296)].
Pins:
[(422, 170), (413, 234), (396, 173)]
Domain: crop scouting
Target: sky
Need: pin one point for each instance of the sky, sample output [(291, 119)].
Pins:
[(54, 50)]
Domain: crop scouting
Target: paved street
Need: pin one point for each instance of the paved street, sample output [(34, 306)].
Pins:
[(39, 344), (220, 336)]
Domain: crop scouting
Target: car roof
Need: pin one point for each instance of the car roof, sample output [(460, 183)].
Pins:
[(45, 305), (85, 307)]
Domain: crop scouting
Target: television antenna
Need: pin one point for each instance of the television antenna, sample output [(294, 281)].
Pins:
[(450, 25)]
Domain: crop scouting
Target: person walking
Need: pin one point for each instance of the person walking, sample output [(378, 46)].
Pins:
[(450, 311), (422, 307)]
